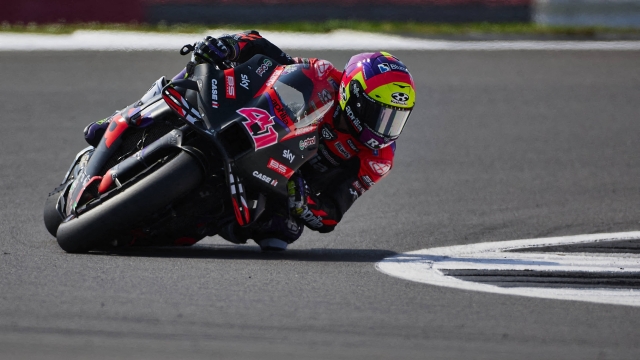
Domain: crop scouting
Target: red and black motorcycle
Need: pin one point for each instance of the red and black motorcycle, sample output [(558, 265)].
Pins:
[(191, 156)]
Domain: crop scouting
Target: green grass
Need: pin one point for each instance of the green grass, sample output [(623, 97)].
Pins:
[(323, 27)]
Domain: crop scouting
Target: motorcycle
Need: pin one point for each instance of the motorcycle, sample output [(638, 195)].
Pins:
[(191, 156)]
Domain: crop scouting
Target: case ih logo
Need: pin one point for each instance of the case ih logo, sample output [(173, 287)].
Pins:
[(279, 168), (259, 123), (380, 167), (214, 93), (265, 178)]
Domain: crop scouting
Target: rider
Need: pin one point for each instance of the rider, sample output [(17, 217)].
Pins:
[(357, 137)]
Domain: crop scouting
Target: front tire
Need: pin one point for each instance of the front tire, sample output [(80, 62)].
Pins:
[(52, 218), (172, 181)]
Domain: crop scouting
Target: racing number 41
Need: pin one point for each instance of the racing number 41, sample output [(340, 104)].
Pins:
[(259, 123)]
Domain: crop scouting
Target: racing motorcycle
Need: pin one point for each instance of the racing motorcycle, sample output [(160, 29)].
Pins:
[(192, 155)]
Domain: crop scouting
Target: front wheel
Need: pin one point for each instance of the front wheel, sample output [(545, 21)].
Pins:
[(153, 193), (52, 218)]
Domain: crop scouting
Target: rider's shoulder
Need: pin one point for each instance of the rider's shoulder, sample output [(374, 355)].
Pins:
[(377, 163)]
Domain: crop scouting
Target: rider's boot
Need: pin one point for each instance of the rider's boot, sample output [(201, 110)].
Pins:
[(95, 131), (274, 234)]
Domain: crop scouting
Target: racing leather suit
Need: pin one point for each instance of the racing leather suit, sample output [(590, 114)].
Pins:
[(343, 169)]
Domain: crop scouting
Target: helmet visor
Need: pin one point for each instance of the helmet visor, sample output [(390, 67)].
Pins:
[(389, 121), (385, 120)]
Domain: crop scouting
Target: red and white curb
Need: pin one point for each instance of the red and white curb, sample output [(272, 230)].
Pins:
[(588, 268)]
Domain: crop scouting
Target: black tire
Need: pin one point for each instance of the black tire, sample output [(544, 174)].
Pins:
[(52, 218), (154, 192)]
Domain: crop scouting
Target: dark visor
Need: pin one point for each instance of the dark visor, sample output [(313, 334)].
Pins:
[(387, 121)]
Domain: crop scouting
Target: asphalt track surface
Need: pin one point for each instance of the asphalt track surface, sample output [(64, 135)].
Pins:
[(502, 146)]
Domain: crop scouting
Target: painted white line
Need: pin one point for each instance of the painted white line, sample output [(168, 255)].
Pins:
[(336, 40), (430, 266)]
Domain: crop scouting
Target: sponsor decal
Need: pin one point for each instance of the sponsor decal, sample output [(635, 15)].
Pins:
[(289, 69), (244, 81), (279, 168), (259, 123), (327, 133), (325, 96), (380, 167), (352, 145), (399, 98), (355, 89), (342, 150), (266, 64), (354, 194), (356, 184), (288, 155), (298, 132), (334, 84), (322, 67), (273, 78), (336, 112), (311, 220), (307, 142), (384, 67), (304, 130), (354, 120), (343, 92), (328, 156), (280, 112), (265, 178), (214, 93), (231, 86), (372, 143), (367, 181)]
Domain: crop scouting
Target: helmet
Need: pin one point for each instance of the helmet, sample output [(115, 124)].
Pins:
[(376, 94)]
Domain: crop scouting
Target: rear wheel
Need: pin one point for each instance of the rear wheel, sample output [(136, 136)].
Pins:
[(151, 194)]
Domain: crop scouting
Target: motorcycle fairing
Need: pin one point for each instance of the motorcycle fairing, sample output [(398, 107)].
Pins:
[(133, 116)]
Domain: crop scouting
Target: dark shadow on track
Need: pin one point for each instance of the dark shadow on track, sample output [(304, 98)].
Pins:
[(252, 253)]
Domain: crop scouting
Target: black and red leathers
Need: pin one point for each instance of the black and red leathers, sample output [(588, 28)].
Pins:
[(343, 169)]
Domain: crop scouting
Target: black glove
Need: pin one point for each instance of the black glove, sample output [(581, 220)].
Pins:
[(211, 50)]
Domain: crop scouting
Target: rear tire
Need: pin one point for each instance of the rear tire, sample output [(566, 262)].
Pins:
[(96, 227)]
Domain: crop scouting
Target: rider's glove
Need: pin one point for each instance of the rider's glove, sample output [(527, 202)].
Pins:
[(297, 189), (211, 50)]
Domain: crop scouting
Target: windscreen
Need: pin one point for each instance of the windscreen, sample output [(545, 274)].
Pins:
[(295, 90)]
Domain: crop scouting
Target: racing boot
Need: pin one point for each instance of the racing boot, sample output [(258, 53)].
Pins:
[(273, 234), (278, 232), (95, 131)]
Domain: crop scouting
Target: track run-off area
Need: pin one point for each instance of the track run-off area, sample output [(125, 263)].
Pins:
[(512, 144)]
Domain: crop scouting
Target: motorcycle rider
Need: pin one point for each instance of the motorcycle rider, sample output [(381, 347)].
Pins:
[(357, 137)]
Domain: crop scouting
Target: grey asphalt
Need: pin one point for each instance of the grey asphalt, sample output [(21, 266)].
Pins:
[(501, 146)]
